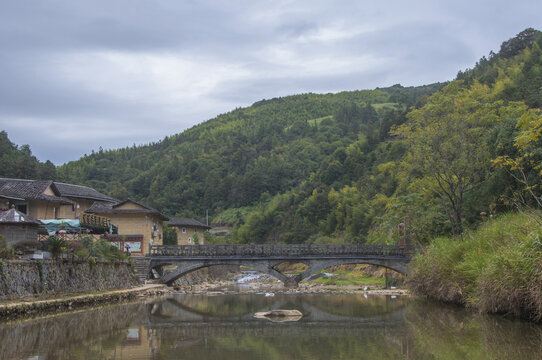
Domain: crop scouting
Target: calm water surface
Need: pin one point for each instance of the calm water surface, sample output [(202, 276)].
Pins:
[(222, 327)]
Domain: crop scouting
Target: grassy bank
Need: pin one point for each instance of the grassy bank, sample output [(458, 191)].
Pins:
[(495, 269)]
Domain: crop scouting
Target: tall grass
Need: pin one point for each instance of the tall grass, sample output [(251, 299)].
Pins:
[(496, 268)]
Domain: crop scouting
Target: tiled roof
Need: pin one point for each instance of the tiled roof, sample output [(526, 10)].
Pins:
[(79, 191), (105, 207), (176, 221), (20, 189), (13, 216)]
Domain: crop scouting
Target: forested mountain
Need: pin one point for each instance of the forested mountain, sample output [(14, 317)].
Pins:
[(245, 157), (349, 167), (18, 162)]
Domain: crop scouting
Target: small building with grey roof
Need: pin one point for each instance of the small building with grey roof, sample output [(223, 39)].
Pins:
[(189, 231), (17, 227)]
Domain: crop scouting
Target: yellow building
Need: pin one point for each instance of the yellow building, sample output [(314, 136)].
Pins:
[(138, 225), (189, 231)]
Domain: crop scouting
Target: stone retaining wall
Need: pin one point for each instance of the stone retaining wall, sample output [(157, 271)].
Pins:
[(25, 278)]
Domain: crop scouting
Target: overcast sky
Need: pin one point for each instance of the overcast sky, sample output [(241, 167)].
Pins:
[(77, 75)]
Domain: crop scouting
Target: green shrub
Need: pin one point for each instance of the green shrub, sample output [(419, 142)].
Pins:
[(3, 241), (27, 246), (56, 246), (170, 235), (5, 253), (82, 253), (99, 249)]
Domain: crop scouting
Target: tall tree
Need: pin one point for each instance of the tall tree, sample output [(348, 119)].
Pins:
[(447, 144)]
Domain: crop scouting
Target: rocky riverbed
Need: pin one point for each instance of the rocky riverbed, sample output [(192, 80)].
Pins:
[(250, 282)]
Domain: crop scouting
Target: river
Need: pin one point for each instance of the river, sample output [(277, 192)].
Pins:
[(333, 326)]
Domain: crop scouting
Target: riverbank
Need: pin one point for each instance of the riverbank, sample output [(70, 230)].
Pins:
[(495, 269), (33, 306)]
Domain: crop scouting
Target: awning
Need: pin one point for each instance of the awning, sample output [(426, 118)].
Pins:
[(52, 226)]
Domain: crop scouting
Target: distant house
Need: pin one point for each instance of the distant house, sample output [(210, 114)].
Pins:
[(188, 230), (46, 199), (18, 227), (138, 225)]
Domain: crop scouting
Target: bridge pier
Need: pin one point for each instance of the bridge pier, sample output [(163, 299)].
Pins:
[(292, 282)]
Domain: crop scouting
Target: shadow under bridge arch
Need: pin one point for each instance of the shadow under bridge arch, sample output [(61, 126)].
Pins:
[(318, 265), (185, 267)]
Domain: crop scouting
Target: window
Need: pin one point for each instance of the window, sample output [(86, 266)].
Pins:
[(22, 208), (184, 230), (190, 240)]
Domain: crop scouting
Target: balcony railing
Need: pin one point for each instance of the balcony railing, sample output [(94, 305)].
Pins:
[(94, 220)]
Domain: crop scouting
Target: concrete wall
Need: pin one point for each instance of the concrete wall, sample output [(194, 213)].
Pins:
[(23, 278), (16, 233), (83, 204), (40, 209)]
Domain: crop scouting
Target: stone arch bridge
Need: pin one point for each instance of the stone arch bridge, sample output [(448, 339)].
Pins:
[(265, 258)]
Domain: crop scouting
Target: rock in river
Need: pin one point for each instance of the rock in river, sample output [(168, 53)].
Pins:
[(279, 315)]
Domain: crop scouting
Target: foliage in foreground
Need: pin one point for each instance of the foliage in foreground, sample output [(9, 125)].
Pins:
[(496, 268), (99, 249)]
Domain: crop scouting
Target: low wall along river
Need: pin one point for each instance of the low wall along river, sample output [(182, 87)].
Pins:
[(24, 278)]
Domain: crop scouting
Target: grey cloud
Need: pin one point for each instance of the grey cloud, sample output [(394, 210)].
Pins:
[(271, 43)]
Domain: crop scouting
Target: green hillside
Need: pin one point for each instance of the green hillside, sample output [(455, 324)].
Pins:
[(473, 147), (249, 155)]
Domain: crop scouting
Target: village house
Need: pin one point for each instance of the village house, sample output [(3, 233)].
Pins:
[(189, 231), (47, 199), (139, 226)]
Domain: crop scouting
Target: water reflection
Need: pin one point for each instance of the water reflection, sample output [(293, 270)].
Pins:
[(222, 327)]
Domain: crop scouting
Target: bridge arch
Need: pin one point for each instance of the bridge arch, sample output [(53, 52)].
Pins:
[(317, 266), (265, 267), (268, 267)]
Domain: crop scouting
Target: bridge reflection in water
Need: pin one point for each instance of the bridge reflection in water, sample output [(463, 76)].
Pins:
[(316, 308), (346, 326), (265, 258)]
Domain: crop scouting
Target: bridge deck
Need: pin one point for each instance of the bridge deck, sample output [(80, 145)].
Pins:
[(277, 251)]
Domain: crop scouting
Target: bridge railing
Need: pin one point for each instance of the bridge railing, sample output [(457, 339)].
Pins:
[(275, 250)]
